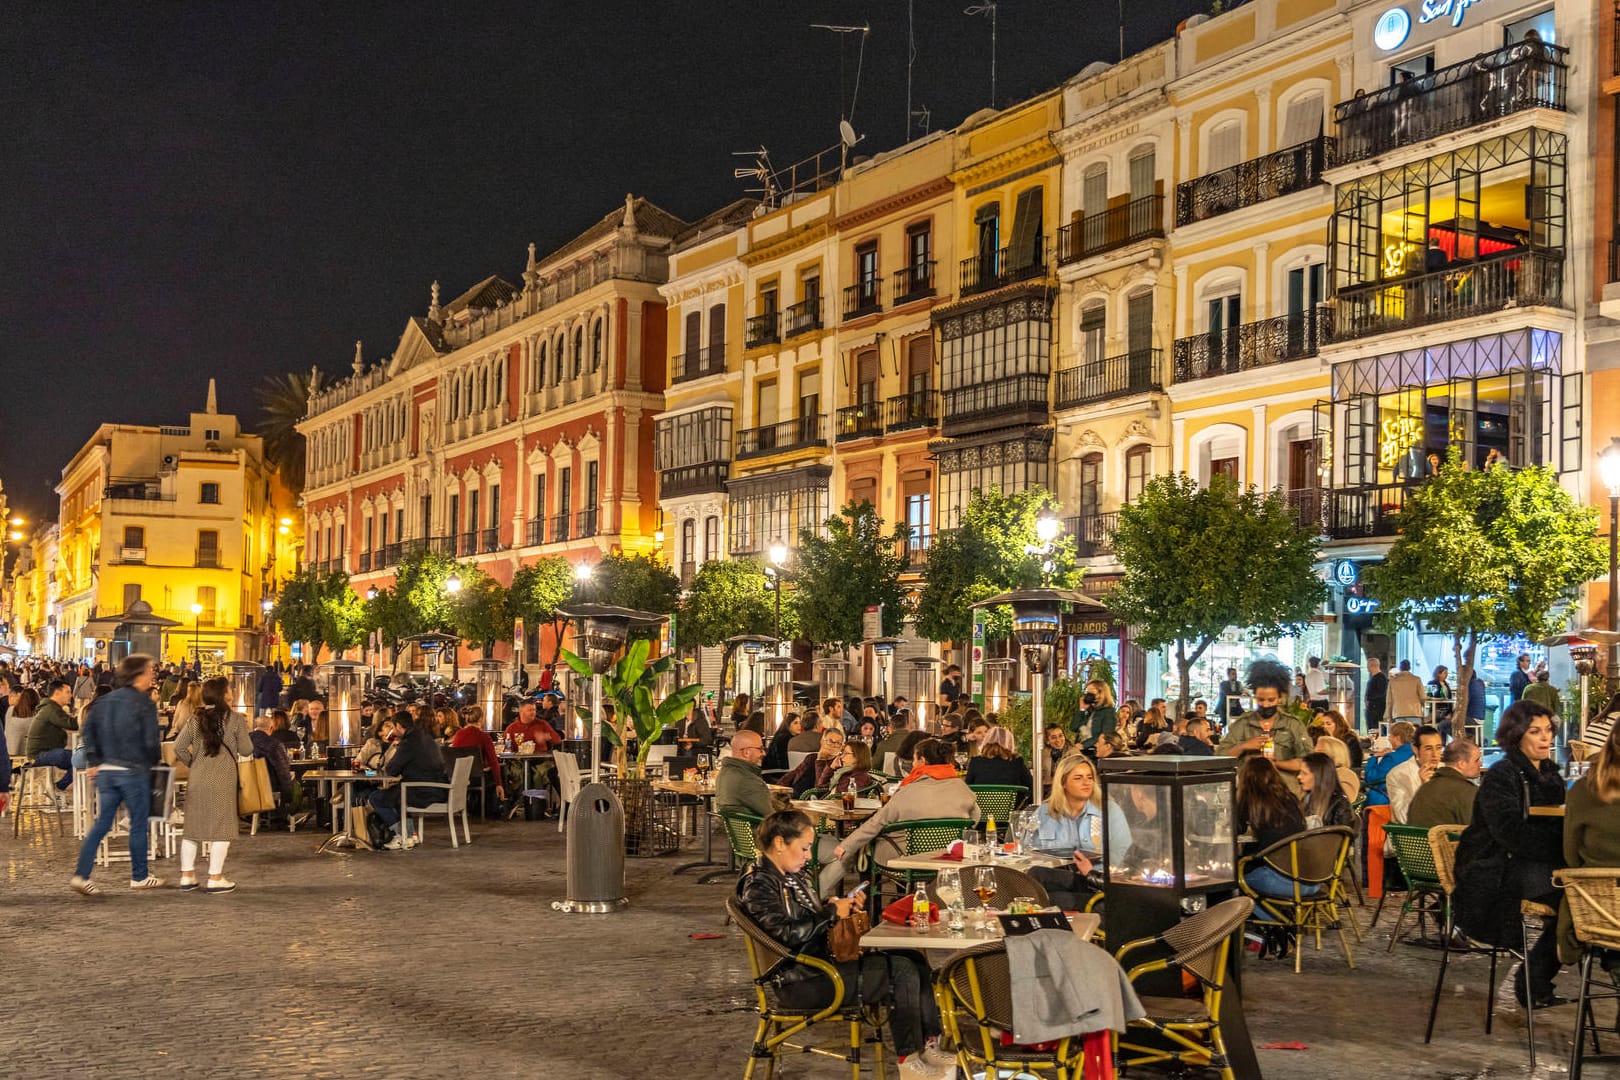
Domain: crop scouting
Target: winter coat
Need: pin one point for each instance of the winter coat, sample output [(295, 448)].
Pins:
[(1591, 838), (739, 788), (1505, 854), (785, 907), (1447, 799)]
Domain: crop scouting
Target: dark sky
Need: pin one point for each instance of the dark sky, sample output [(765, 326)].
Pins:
[(236, 190)]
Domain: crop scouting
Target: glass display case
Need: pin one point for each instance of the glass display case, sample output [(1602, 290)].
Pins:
[(830, 677), (1181, 845)]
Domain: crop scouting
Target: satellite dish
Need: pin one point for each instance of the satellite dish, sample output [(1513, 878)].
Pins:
[(846, 132)]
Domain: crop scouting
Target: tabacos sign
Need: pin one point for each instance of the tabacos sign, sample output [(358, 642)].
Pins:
[(1433, 18)]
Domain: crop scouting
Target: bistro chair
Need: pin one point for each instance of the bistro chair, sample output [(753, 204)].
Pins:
[(779, 1023), (1201, 946), (1593, 896), (1010, 883), (568, 780), (1314, 857), (997, 801), (975, 992), (740, 835), (453, 803), (1424, 894), (908, 838), (479, 782), (36, 794)]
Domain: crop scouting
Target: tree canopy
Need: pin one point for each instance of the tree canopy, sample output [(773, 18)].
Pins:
[(1485, 553), (320, 609), (730, 597), (986, 555), (1199, 559), (837, 576), (482, 612), (633, 581), (538, 590), (425, 605)]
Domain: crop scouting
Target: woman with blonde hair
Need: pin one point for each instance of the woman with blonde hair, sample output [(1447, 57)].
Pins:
[(186, 704), (1334, 748), (1071, 822), (1097, 715)]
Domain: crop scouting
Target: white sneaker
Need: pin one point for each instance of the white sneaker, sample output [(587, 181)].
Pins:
[(396, 844), (413, 840), (917, 1067)]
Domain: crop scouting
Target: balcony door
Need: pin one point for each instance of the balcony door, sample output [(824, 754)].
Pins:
[(694, 342), (1305, 292), (866, 379), (1091, 481), (1093, 208), (987, 220), (1028, 225), (1139, 338), (1222, 316)]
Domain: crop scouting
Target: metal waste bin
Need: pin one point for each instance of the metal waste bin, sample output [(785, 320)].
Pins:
[(595, 853)]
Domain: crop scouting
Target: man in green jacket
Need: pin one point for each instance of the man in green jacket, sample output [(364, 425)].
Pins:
[(48, 735), (740, 788), (1545, 694), (1447, 797)]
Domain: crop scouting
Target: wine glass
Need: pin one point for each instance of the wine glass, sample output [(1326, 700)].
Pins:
[(984, 887), (948, 888)]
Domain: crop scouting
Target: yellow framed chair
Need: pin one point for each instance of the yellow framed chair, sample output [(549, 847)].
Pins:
[(975, 997), (1314, 857)]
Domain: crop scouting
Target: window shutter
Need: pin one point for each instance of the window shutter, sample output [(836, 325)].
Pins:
[(1027, 226), (1094, 191), (1303, 121), (1143, 179), (1225, 147)]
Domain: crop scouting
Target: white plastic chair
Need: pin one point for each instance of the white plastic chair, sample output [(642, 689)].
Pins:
[(455, 800), (660, 754), (891, 764), (568, 779), (795, 757)]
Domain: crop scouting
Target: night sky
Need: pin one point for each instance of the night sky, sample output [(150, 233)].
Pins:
[(235, 190)]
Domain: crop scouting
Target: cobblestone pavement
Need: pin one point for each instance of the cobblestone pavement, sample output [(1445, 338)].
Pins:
[(436, 963)]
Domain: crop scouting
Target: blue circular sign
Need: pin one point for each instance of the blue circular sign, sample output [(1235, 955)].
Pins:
[(1346, 573), (1391, 29)]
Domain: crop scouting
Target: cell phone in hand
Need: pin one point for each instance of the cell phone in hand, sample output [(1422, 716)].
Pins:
[(856, 891)]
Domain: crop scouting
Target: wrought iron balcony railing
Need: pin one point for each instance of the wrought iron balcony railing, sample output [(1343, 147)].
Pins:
[(993, 269), (920, 408), (787, 435), (1256, 181), (865, 297), (914, 282), (763, 329), (1113, 376), (695, 365), (1250, 345), (1116, 227), (1460, 291)]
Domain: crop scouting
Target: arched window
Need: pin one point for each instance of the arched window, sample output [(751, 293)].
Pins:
[(1091, 487), (497, 393), (483, 388), (467, 398), (711, 538), (455, 397), (539, 368), (688, 552), (579, 350), (557, 360), (596, 346)]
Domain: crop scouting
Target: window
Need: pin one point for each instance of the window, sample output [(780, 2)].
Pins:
[(453, 525), (711, 537), (596, 345), (1139, 323), (692, 438), (366, 535), (539, 368), (717, 332), (424, 519), (207, 547), (132, 594), (919, 364), (810, 286), (866, 377), (1541, 22), (1094, 190), (579, 351), (919, 514), (211, 434), (1093, 332), (1303, 120), (767, 300), (134, 537), (495, 506), (1226, 466), (1028, 223), (1138, 460), (206, 599), (472, 512), (208, 493), (765, 403), (919, 249), (1414, 67), (1091, 485), (342, 540), (592, 476), (809, 405), (1225, 146), (688, 552), (866, 271), (565, 491), (694, 338), (399, 524), (382, 527), (539, 510), (557, 360), (987, 225), (1144, 173)]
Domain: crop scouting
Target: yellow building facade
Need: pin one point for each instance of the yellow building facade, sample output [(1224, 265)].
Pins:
[(189, 520)]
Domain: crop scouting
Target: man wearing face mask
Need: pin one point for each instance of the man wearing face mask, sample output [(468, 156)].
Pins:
[(1267, 725)]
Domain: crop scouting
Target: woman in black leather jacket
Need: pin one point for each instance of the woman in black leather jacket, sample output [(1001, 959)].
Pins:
[(781, 899)]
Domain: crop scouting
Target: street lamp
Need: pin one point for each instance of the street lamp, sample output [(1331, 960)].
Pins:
[(778, 556), (1609, 469), (196, 634), (371, 593), (452, 584)]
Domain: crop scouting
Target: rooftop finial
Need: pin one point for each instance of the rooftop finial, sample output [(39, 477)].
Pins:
[(433, 301), (530, 264), (629, 221), (359, 364), (213, 400)]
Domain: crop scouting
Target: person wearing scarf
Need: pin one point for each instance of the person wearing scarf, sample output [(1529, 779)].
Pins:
[(931, 791)]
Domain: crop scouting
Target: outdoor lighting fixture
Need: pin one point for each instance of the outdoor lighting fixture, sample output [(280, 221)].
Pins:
[(343, 680), (18, 521), (582, 572), (196, 609), (778, 554), (452, 584), (285, 521), (1037, 625), (267, 605), (997, 684), (925, 691), (602, 630), (371, 593), (883, 652), (16, 534), (491, 690), (751, 645), (778, 691), (283, 530), (1047, 528)]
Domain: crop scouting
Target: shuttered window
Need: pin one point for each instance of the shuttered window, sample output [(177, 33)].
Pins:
[(1225, 146), (1302, 122)]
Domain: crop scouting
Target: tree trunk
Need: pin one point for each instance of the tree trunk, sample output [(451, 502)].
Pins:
[(1184, 666), (1465, 657)]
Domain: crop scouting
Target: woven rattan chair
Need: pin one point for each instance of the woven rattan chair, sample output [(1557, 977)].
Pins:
[(1593, 896), (1199, 945), (1314, 857), (976, 1007), (1010, 883), (778, 1023), (1423, 892), (998, 801)]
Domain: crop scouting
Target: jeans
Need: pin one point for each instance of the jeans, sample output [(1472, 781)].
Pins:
[(914, 1017), (384, 803), (132, 788), (1268, 882), (61, 758)]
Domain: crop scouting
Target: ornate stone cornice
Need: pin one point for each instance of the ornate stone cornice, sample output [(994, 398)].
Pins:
[(930, 189), (785, 245), (1035, 154)]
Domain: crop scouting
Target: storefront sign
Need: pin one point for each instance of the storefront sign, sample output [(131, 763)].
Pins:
[(1359, 605), (1346, 573), (1440, 9), (1091, 626), (1392, 29)]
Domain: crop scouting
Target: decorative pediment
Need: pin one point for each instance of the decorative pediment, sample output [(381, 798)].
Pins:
[(1088, 440), (422, 341), (1136, 429)]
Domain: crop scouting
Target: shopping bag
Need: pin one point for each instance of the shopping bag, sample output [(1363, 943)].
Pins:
[(254, 794)]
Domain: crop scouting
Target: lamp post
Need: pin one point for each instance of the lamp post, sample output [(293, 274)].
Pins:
[(778, 556), (196, 634), (1609, 468), (452, 588)]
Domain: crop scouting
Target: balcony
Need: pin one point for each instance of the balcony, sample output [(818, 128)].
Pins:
[(1284, 172), (914, 282), (1460, 291), (696, 365), (585, 522), (1305, 505), (775, 438), (489, 540), (1111, 377), (444, 545), (991, 270), (1006, 402), (863, 298), (1490, 86), (707, 478), (917, 551), (1357, 513), (802, 318), (918, 409), (1251, 345), (364, 563), (467, 543), (137, 491), (1116, 227), (1093, 533), (534, 532), (133, 555), (860, 421), (559, 526), (763, 330)]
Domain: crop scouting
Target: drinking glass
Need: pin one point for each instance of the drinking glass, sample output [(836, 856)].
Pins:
[(949, 890), (984, 886)]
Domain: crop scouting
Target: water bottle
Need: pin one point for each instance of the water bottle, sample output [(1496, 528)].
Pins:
[(920, 909)]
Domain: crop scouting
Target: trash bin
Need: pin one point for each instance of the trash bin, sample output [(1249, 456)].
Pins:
[(595, 853)]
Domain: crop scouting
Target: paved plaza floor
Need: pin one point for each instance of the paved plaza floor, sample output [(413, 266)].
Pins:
[(435, 963)]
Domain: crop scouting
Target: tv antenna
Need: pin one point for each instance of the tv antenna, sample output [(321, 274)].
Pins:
[(988, 8), (760, 172), (846, 127)]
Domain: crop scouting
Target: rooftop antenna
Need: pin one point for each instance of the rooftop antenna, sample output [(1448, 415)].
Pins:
[(846, 129), (922, 113), (911, 58), (988, 7), (761, 172)]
